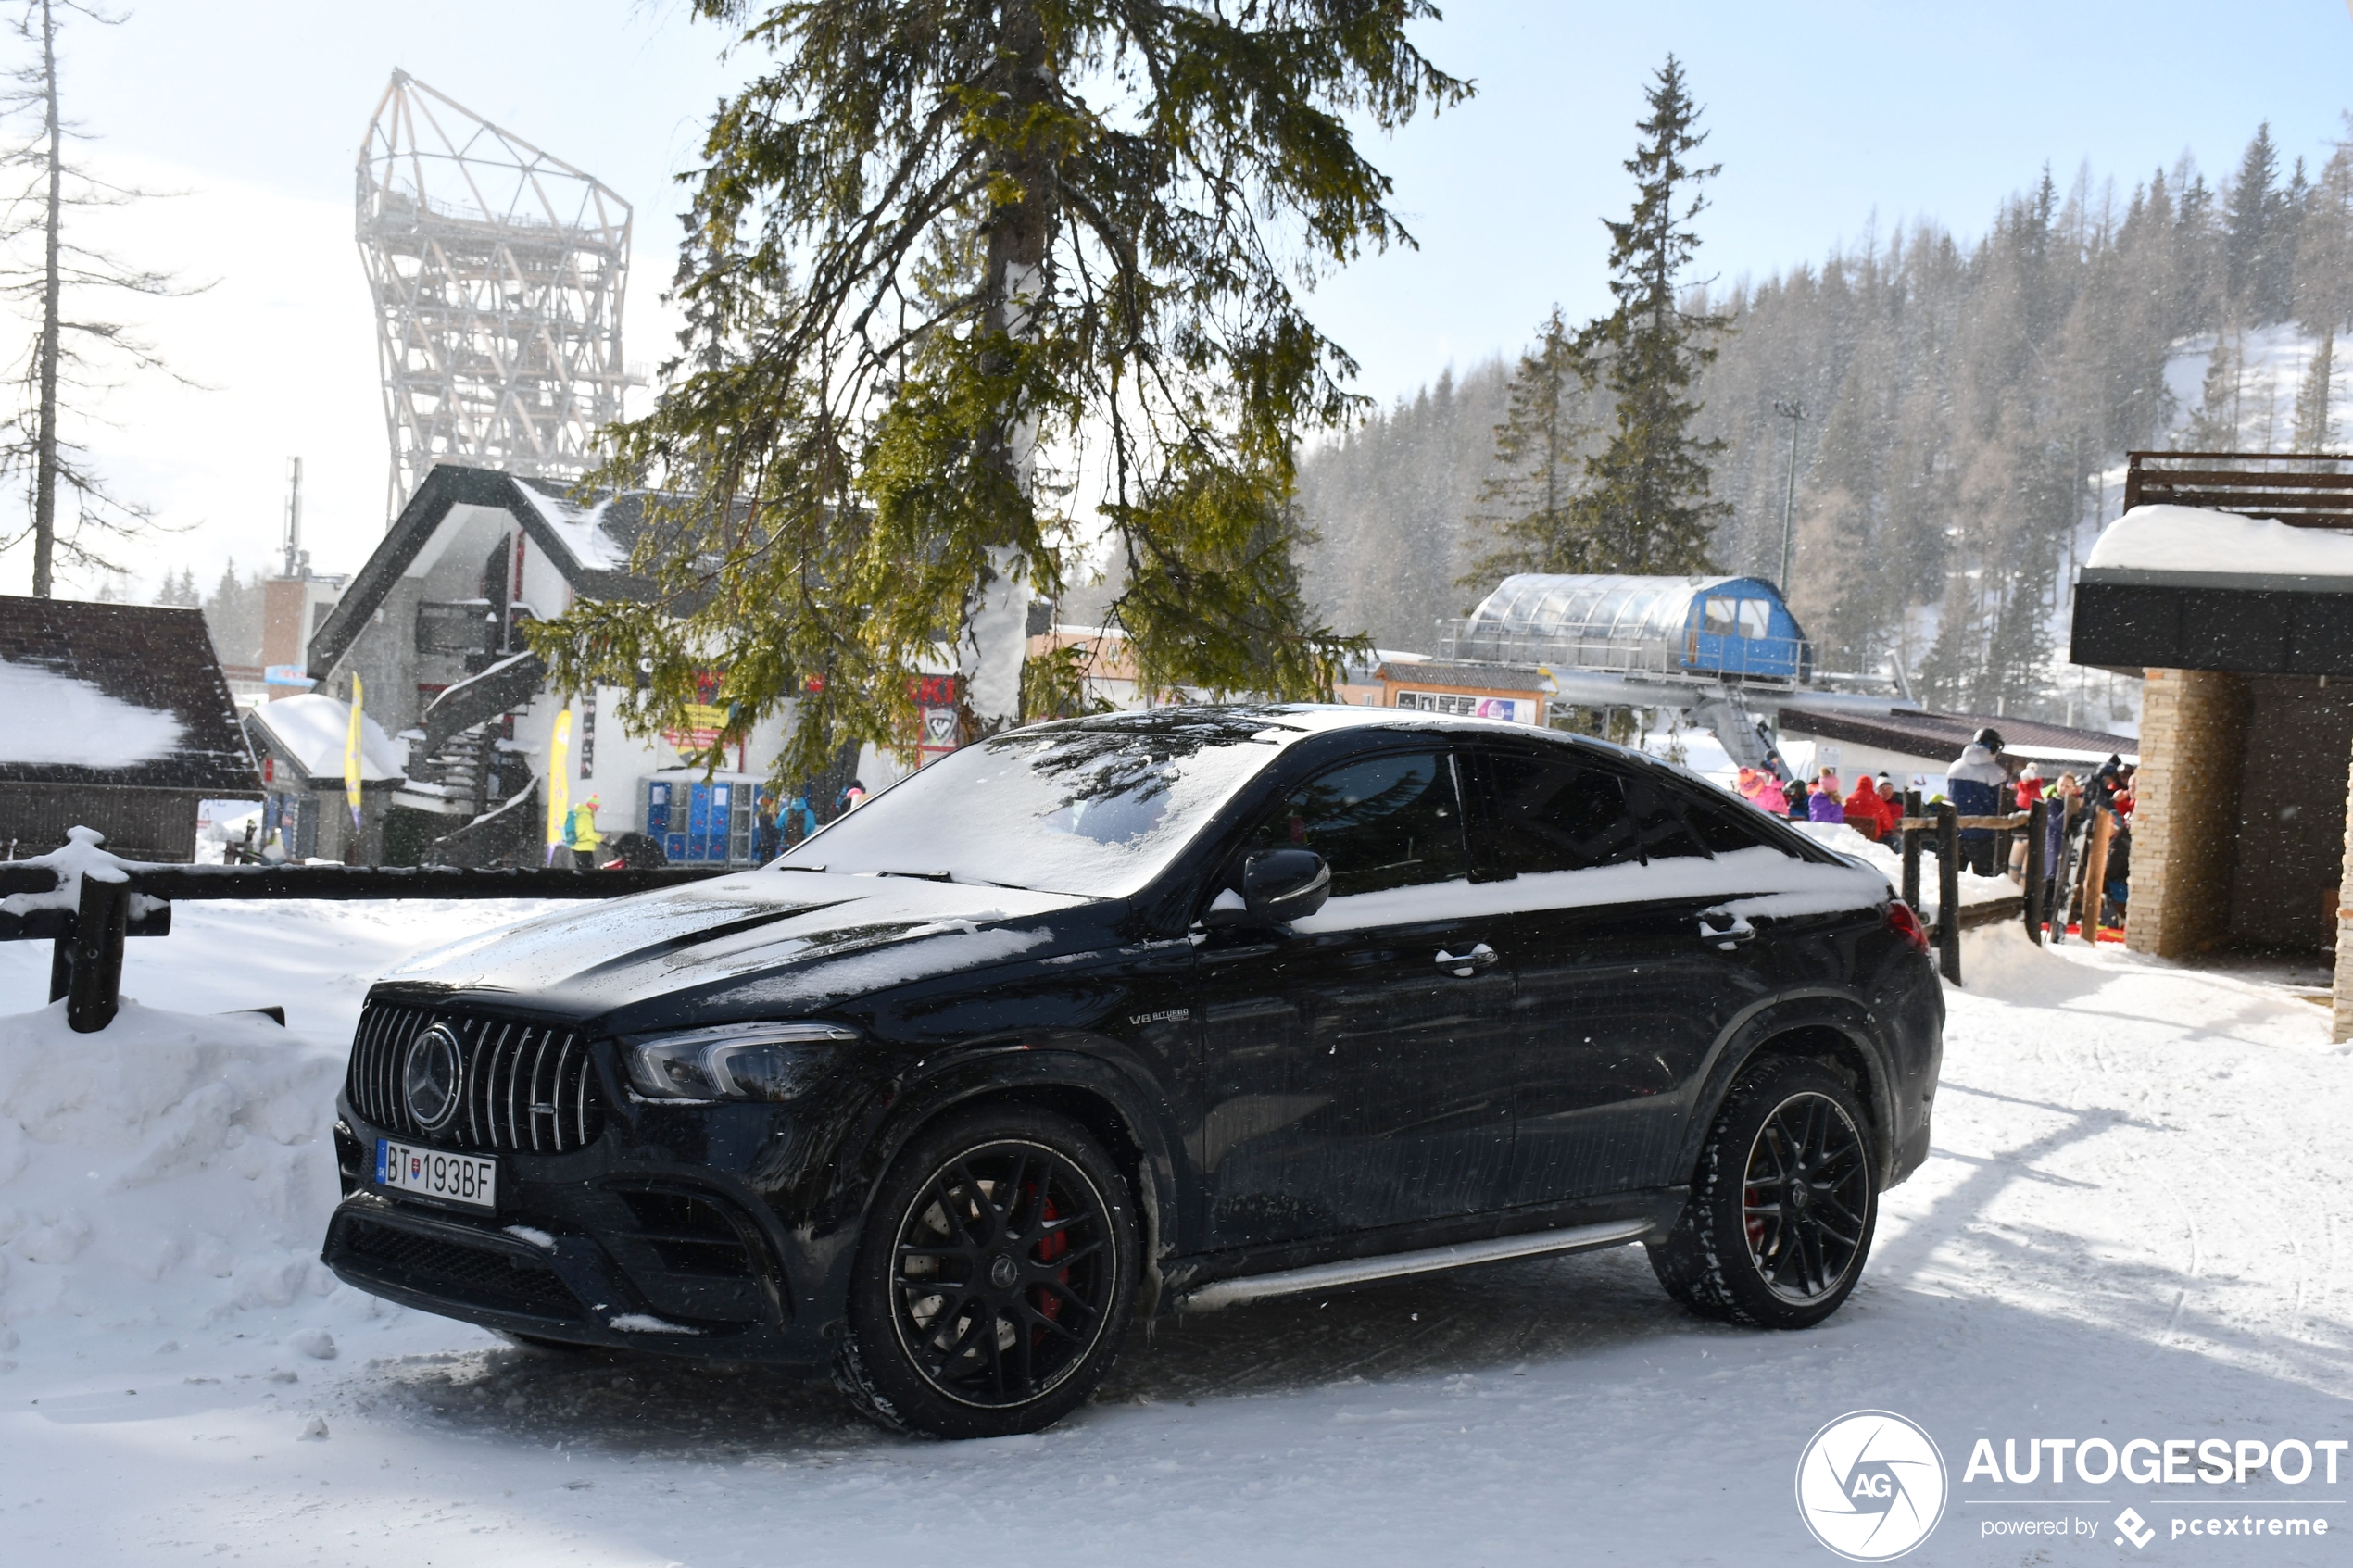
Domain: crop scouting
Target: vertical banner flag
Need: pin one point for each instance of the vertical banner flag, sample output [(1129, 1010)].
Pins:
[(559, 781), (351, 756)]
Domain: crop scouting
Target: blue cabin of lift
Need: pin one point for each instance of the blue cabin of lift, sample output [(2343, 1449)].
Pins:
[(1708, 627)]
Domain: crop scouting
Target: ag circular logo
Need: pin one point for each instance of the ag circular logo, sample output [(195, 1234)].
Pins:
[(1872, 1486)]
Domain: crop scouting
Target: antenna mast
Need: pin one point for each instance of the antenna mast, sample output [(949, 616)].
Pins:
[(298, 558)]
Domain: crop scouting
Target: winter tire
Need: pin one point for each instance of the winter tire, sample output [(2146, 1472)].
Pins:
[(995, 1278), (1782, 1206)]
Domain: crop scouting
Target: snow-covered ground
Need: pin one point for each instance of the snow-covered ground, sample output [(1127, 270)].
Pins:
[(2129, 1227)]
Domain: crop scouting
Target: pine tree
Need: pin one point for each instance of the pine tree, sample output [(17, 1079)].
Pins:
[(2315, 432), (935, 254), (233, 615), (2258, 246), (1529, 497), (2214, 423), (1645, 508)]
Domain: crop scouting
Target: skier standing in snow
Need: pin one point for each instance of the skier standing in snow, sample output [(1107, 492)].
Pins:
[(1977, 781)]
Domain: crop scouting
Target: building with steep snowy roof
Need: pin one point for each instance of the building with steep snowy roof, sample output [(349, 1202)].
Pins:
[(114, 717), (300, 742), (432, 626)]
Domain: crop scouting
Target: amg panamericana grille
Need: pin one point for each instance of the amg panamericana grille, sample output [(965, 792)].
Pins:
[(526, 1086)]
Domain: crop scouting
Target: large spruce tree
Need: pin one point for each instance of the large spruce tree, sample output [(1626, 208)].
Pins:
[(967, 280), (1647, 510), (1643, 506), (1529, 497)]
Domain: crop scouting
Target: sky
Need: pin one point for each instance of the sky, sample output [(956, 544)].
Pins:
[(1831, 121)]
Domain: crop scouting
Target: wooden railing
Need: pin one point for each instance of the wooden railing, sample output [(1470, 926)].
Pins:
[(2304, 497), (1949, 918), (126, 898)]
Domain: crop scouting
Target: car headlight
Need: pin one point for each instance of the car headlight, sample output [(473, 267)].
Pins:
[(769, 1062)]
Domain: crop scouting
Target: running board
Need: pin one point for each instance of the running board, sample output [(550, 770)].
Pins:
[(1429, 1260)]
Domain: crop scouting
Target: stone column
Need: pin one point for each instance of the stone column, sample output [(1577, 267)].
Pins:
[(2185, 820)]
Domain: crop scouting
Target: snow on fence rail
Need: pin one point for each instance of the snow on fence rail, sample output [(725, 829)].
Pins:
[(2042, 901), (87, 901)]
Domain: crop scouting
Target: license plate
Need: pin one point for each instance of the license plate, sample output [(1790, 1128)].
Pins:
[(432, 1172)]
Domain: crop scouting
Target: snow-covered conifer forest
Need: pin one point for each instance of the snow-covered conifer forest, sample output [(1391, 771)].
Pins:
[(1969, 399)]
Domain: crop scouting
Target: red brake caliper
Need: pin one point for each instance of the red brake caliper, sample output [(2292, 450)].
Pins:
[(1049, 1306)]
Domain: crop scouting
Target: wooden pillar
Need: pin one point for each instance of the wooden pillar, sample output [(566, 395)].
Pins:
[(1912, 850), (2095, 871), (95, 989), (1948, 890), (2038, 818)]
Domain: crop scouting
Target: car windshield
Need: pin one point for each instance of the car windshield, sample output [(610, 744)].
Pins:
[(1095, 808)]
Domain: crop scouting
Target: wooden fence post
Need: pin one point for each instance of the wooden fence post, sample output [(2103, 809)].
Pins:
[(1948, 890), (1912, 851), (2038, 818), (2095, 873), (94, 991)]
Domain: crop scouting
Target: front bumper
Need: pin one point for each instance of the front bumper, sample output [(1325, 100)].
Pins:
[(583, 1248)]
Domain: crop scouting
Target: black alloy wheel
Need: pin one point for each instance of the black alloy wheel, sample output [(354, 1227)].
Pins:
[(995, 1279), (1783, 1204), (1808, 1191)]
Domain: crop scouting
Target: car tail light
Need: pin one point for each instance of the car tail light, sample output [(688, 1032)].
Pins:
[(1904, 923)]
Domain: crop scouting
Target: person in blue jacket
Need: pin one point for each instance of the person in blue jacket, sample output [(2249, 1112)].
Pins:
[(1977, 781)]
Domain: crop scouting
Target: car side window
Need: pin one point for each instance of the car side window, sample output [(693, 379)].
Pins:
[(1718, 825), (1660, 825), (1558, 814), (1392, 821)]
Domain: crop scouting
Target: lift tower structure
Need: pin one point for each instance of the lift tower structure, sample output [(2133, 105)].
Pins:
[(498, 272)]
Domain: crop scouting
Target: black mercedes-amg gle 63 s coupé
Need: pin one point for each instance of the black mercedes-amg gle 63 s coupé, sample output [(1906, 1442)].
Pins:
[(1145, 1013)]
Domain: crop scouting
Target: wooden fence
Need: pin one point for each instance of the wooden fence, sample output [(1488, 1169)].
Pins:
[(134, 899), (2048, 897)]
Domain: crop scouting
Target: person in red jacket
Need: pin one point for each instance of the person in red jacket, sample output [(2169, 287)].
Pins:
[(1866, 812)]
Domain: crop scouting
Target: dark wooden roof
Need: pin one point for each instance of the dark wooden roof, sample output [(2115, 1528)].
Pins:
[(153, 657), (1916, 732)]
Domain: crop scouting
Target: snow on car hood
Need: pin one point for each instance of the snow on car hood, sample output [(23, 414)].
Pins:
[(782, 941)]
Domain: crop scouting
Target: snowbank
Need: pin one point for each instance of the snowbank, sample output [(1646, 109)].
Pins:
[(1886, 860), (52, 720), (2195, 539), (167, 1171)]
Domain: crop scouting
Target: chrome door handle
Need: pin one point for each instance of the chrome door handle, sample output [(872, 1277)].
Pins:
[(1729, 935), (1464, 965)]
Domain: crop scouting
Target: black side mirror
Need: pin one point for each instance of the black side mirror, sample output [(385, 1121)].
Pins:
[(1278, 886)]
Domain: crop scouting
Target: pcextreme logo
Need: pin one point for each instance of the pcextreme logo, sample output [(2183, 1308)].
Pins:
[(1872, 1486)]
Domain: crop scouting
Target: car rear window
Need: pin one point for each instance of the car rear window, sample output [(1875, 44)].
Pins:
[(1720, 827), (1558, 814)]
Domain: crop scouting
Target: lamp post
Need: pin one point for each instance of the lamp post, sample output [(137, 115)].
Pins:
[(1794, 412)]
